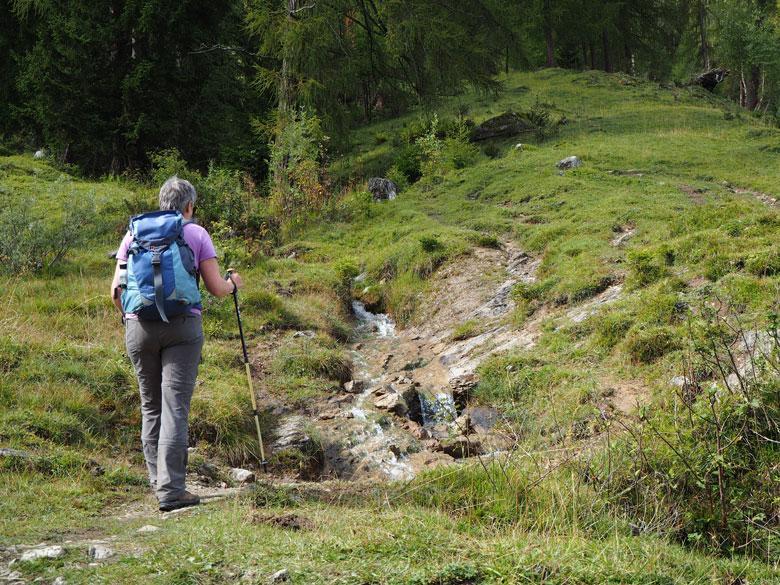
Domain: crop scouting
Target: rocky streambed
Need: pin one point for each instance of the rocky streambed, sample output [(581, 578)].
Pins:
[(408, 407)]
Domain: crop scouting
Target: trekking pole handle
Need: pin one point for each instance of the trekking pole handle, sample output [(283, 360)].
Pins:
[(238, 316), (229, 276)]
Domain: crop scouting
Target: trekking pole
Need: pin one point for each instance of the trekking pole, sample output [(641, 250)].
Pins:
[(263, 461)]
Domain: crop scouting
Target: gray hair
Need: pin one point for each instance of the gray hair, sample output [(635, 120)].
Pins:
[(176, 193)]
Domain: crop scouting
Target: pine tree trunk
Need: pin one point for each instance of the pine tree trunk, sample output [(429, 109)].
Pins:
[(605, 44), (752, 88), (548, 34), (704, 46)]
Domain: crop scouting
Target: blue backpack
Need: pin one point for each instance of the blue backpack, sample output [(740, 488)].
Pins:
[(162, 279)]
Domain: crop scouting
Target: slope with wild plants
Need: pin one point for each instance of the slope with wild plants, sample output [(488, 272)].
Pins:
[(610, 321)]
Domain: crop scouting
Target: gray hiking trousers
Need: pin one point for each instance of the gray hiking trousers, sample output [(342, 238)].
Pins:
[(166, 358)]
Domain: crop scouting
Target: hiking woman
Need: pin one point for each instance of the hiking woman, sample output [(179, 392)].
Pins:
[(165, 347)]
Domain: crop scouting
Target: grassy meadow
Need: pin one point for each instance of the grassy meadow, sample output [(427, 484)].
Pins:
[(684, 172)]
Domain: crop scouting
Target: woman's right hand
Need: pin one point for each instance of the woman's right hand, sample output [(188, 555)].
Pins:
[(236, 278)]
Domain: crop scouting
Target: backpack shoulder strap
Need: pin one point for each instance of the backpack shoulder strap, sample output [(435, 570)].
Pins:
[(159, 294)]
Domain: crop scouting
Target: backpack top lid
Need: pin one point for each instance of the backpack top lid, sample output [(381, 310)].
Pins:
[(157, 228)]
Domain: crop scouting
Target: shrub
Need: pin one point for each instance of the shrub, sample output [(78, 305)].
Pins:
[(297, 177), (408, 163), (460, 153), (30, 242), (646, 345), (705, 461)]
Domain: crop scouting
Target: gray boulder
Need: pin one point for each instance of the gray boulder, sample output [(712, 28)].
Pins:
[(43, 552), (570, 162), (242, 475), (382, 189), (502, 126), (100, 552)]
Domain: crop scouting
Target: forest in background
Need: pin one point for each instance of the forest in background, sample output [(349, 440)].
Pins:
[(105, 85)]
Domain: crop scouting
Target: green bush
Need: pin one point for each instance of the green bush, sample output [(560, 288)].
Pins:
[(460, 154), (702, 464), (646, 345), (408, 162), (31, 242)]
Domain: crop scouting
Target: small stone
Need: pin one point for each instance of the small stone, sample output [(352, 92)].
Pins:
[(46, 552), (100, 552), (280, 576), (148, 528), (242, 475)]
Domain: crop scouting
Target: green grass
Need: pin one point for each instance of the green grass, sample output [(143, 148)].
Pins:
[(658, 161)]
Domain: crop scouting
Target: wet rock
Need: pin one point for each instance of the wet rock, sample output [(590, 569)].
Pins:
[(354, 386), (501, 126), (412, 399), (280, 576), (44, 552), (393, 402), (463, 424), (147, 528), (100, 552), (461, 388), (242, 475), (382, 189), (483, 418), (570, 162), (462, 446)]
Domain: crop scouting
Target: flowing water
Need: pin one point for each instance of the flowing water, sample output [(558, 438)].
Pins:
[(373, 443)]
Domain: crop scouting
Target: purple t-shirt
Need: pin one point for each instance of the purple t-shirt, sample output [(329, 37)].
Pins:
[(197, 238)]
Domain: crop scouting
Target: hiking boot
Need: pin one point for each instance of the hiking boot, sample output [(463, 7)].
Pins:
[(186, 499)]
